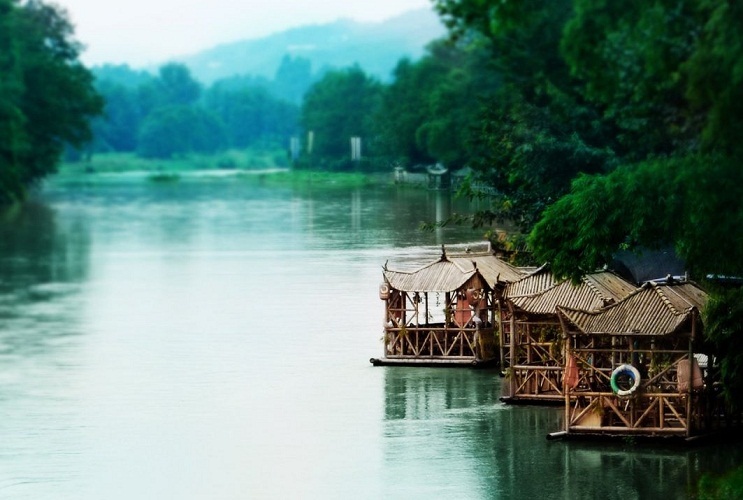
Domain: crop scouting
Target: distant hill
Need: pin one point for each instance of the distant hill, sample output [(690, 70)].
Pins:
[(376, 47)]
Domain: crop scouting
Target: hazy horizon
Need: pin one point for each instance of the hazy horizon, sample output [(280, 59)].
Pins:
[(143, 33)]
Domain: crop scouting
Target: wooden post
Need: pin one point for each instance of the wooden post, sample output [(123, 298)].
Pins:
[(501, 337), (566, 354), (512, 379), (384, 324), (691, 372)]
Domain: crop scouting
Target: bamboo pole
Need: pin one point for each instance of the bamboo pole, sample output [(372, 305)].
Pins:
[(501, 336), (566, 353), (691, 373), (512, 346)]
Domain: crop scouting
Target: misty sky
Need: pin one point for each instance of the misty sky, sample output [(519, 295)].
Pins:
[(141, 32)]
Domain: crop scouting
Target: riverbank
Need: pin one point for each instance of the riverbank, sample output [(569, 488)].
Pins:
[(244, 167), (130, 162)]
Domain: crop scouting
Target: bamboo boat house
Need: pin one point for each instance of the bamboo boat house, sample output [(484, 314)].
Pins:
[(634, 368), (445, 312), (531, 335)]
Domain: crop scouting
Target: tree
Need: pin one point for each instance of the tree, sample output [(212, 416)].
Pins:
[(121, 74), (426, 114), (252, 115), (715, 76), (176, 130), (339, 107), (293, 78), (535, 132), (402, 110), (628, 59), (11, 116), (523, 36), (118, 127), (46, 96), (174, 86), (641, 108), (530, 153), (693, 197)]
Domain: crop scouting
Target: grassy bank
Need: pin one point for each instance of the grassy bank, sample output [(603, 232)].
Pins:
[(308, 179), (234, 166), (129, 162)]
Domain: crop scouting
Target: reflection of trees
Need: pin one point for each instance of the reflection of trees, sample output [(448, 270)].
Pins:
[(41, 264), (365, 215), (424, 393), (34, 250), (438, 431), (489, 450)]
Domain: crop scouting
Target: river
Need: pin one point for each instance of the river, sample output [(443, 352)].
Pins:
[(210, 338)]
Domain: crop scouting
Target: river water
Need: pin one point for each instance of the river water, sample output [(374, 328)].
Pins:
[(209, 339)]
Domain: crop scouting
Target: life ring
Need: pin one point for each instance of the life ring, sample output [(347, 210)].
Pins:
[(629, 371), (473, 295), (384, 291)]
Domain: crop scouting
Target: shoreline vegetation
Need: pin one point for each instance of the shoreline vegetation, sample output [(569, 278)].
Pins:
[(268, 168)]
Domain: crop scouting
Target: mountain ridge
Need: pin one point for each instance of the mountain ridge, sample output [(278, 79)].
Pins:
[(375, 46)]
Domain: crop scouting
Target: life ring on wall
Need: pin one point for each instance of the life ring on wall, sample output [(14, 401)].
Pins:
[(628, 371), (384, 291), (473, 295)]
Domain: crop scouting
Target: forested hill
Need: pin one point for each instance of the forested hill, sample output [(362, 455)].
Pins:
[(376, 47)]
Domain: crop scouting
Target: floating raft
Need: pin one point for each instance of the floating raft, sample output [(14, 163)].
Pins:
[(445, 312)]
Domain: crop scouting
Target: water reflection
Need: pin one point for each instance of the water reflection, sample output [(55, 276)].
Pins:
[(202, 340), (34, 249), (42, 264), (469, 445)]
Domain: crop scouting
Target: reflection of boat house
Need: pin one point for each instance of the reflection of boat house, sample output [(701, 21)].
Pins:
[(443, 312), (632, 368), (531, 333)]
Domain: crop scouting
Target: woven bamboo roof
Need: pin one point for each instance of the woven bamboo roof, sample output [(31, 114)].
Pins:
[(536, 282), (440, 276), (653, 309), (449, 273), (540, 293), (493, 269)]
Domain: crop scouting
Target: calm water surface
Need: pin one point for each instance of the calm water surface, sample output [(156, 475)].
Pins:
[(210, 340)]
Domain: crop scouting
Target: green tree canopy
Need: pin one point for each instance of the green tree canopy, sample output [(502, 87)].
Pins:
[(293, 78), (338, 107), (176, 130), (252, 115), (618, 128), (46, 95), (427, 113), (118, 127), (535, 131)]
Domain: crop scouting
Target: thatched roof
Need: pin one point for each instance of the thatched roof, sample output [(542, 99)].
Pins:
[(440, 276), (493, 269), (653, 309), (449, 273), (537, 282), (540, 293)]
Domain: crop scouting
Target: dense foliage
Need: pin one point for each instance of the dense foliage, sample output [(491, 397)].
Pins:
[(536, 131), (617, 128), (424, 116), (426, 113), (46, 95), (171, 114), (339, 107)]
